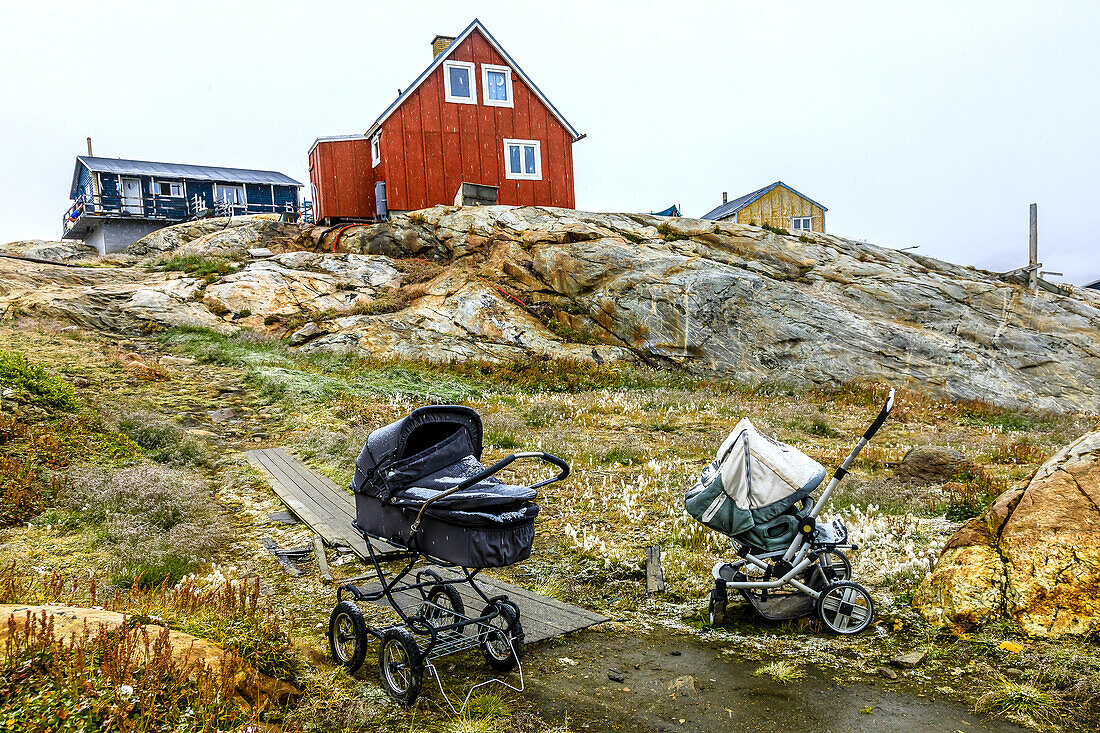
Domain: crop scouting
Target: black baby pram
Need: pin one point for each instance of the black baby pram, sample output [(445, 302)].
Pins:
[(758, 491), (422, 497)]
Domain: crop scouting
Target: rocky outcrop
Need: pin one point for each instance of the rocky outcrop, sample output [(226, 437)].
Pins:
[(730, 300), (223, 236), (1034, 555), (67, 251)]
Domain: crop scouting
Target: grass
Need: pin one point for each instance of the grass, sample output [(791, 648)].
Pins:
[(781, 671), (1021, 701), (197, 265)]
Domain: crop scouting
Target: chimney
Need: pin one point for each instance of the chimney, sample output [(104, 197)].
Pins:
[(90, 154), (725, 197), (440, 44)]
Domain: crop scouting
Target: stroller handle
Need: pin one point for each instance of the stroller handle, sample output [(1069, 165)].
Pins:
[(563, 471), (883, 414)]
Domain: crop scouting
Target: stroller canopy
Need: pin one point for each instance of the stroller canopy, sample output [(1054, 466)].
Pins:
[(752, 479), (431, 450)]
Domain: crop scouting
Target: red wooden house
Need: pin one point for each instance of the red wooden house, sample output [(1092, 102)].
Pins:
[(473, 116)]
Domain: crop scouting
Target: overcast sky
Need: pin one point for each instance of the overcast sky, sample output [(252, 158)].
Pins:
[(931, 124)]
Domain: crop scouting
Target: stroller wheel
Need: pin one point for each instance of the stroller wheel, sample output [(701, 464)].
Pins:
[(845, 607), (347, 636), (835, 565), (400, 665), (446, 606), (502, 648), (717, 608)]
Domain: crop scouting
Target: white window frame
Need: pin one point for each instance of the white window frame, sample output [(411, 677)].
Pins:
[(471, 70), (376, 150), (507, 71), (172, 186), (537, 175), (807, 220), (237, 186)]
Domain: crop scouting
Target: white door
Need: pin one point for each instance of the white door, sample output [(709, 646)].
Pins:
[(131, 196)]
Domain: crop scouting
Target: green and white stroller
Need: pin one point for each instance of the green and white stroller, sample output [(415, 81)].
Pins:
[(758, 492)]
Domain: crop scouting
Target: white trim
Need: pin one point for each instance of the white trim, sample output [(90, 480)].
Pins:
[(156, 183), (475, 25), (333, 138), (521, 144), (507, 71), (376, 150), (807, 220), (471, 70)]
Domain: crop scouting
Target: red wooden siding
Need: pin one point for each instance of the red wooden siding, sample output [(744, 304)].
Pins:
[(430, 146), (343, 179)]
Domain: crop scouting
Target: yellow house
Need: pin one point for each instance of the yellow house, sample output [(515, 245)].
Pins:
[(777, 205)]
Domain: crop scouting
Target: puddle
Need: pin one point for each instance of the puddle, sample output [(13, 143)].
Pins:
[(569, 679)]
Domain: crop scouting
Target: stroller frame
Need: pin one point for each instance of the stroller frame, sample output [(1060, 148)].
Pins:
[(439, 626), (813, 565)]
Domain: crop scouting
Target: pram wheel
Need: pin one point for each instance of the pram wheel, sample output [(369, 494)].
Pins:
[(835, 565), (347, 634), (399, 664), (716, 609), (503, 647), (445, 605), (845, 607)]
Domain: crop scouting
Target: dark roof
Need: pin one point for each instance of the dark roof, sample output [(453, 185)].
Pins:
[(730, 208), (178, 171), (673, 210), (438, 60)]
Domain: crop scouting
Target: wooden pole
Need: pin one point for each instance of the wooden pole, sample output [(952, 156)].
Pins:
[(1033, 248), (322, 561), (654, 575)]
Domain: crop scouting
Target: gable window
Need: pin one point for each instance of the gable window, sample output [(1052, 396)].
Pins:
[(375, 150), (458, 82), (169, 188), (230, 194), (523, 159), (802, 222), (496, 81)]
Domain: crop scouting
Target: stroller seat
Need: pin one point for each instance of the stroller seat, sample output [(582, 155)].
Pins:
[(489, 493)]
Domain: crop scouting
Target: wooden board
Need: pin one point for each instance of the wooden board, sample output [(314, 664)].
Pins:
[(329, 509)]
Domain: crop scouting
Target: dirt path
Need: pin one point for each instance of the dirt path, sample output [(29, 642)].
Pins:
[(570, 680)]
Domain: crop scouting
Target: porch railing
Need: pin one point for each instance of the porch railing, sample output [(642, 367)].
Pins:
[(169, 208)]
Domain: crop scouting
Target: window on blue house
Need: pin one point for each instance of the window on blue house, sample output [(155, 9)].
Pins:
[(497, 83), (170, 188), (458, 82), (230, 194), (523, 160)]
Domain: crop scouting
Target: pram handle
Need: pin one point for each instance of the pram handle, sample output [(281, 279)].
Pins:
[(563, 468), (885, 413)]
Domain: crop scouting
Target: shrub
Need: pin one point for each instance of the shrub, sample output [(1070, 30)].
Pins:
[(160, 521), (163, 441), (1020, 701), (781, 671), (34, 384), (118, 679)]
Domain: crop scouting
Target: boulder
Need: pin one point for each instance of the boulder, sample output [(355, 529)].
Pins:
[(928, 464), (1033, 556), (191, 653)]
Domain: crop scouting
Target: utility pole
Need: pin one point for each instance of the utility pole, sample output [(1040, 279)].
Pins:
[(1033, 249)]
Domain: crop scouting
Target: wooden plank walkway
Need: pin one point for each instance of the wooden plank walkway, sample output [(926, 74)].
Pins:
[(329, 509)]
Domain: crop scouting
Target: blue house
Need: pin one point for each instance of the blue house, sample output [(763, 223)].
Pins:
[(117, 202)]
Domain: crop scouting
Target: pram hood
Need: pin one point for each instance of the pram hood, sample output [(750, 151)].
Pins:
[(752, 479), (430, 450)]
